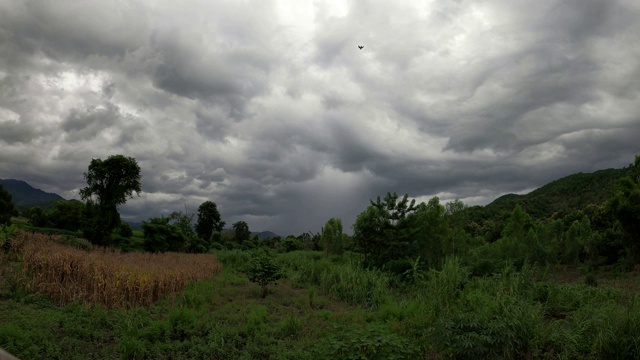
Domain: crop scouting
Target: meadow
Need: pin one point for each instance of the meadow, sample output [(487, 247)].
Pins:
[(187, 306)]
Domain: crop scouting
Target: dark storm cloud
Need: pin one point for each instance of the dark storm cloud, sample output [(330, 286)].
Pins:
[(64, 30), (272, 111)]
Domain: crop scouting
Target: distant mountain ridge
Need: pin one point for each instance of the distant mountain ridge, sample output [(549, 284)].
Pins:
[(25, 196)]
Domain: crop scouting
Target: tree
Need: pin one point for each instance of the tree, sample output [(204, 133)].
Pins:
[(110, 183), (512, 243), (368, 233), (454, 212), (625, 206), (161, 236), (431, 232), (125, 230), (332, 236), (37, 217), (263, 270), (67, 215), (208, 221), (384, 231), (6, 207), (290, 243), (192, 243), (242, 231)]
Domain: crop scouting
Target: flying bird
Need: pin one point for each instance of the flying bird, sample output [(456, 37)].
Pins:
[(360, 47)]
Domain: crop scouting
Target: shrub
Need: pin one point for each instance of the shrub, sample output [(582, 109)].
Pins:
[(290, 326), (263, 270), (370, 342)]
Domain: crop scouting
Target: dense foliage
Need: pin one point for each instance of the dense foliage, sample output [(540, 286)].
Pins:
[(263, 270), (6, 206), (209, 222), (242, 232), (332, 237), (110, 183)]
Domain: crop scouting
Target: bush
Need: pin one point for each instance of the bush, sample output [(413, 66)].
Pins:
[(263, 271), (370, 342), (397, 267)]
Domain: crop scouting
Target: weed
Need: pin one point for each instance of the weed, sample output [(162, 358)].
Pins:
[(290, 326), (365, 342), (312, 295)]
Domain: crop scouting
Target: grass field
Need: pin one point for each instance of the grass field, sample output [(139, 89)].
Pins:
[(326, 308)]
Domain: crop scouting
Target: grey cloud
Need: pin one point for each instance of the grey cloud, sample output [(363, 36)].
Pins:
[(16, 132), (88, 123), (67, 29), (274, 113)]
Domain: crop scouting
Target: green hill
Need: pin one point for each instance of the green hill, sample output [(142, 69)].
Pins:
[(564, 195), (25, 196)]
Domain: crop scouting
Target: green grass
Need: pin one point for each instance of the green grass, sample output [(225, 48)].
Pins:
[(330, 308)]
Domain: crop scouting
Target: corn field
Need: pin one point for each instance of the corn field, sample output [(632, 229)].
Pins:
[(112, 279)]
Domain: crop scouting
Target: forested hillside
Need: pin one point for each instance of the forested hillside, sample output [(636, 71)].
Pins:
[(25, 196), (555, 199)]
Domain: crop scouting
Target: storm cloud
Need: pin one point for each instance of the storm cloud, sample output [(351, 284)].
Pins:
[(272, 111)]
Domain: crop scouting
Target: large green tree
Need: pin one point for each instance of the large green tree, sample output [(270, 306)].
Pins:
[(209, 221), (6, 206), (384, 231), (110, 183)]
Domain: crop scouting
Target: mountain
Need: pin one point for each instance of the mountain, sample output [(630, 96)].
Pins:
[(263, 235), (564, 195), (25, 196)]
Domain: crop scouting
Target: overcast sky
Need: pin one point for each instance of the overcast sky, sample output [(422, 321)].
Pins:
[(270, 109)]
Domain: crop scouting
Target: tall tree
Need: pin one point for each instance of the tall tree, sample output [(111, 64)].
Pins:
[(431, 232), (332, 236), (110, 183), (513, 239), (384, 231), (6, 206), (625, 206), (192, 243), (454, 212), (242, 231), (209, 221)]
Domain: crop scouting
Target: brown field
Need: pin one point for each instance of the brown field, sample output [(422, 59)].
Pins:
[(109, 278)]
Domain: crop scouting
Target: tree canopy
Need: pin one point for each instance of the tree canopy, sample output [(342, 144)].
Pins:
[(332, 236), (384, 230), (110, 183), (209, 221), (6, 206), (242, 231)]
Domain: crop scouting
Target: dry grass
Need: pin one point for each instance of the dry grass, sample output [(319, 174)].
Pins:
[(67, 274)]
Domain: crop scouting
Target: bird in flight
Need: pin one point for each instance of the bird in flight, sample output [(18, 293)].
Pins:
[(360, 47)]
